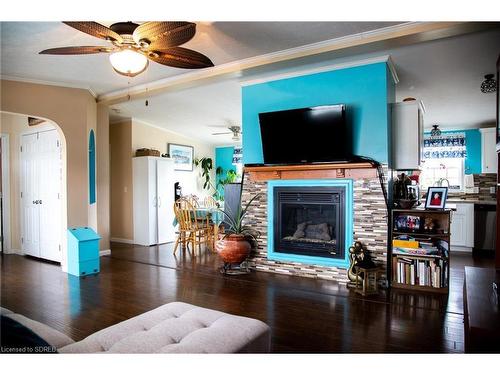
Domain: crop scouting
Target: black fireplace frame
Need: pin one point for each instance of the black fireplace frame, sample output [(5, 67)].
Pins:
[(321, 250)]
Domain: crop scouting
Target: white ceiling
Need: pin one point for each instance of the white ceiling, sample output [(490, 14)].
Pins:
[(221, 41), (445, 73)]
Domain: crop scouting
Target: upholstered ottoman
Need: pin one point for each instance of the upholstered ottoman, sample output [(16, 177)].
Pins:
[(178, 328)]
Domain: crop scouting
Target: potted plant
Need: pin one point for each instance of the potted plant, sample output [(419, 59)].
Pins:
[(206, 165), (235, 244)]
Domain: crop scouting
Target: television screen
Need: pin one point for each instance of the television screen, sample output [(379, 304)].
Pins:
[(305, 135)]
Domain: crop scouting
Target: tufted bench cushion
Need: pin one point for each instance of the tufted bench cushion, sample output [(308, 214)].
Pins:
[(178, 328)]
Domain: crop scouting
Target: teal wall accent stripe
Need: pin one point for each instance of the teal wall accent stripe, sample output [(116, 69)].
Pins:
[(92, 177)]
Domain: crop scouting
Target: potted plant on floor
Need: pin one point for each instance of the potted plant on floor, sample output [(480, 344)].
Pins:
[(235, 243)]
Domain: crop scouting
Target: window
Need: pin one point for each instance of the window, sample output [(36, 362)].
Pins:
[(451, 169), (444, 158)]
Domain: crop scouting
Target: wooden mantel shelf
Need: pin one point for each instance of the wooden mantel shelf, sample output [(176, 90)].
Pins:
[(311, 171)]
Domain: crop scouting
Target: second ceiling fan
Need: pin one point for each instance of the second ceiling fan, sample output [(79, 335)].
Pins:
[(133, 45)]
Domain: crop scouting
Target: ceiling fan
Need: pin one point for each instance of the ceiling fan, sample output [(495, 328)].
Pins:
[(234, 129), (133, 45)]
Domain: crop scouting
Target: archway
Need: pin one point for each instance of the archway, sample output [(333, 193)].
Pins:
[(14, 127)]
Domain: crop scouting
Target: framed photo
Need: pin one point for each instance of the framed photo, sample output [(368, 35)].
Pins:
[(407, 223), (436, 197), (182, 155)]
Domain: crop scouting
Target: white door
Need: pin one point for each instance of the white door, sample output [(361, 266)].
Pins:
[(30, 214), (49, 195), (165, 193), (40, 195), (152, 203)]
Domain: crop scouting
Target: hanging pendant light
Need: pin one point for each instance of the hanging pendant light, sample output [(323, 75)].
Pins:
[(435, 132), (489, 84)]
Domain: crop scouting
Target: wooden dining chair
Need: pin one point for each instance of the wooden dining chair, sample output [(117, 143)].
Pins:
[(193, 200), (209, 202), (191, 230)]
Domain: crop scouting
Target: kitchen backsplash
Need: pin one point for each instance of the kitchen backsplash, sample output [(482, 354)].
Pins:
[(484, 182)]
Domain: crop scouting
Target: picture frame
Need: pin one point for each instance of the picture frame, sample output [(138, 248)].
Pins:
[(436, 197), (183, 156), (407, 223)]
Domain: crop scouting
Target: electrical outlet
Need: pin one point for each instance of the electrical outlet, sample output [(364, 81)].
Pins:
[(493, 190), (476, 190), (125, 189)]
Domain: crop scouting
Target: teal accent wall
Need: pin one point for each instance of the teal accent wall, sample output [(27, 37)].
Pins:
[(365, 90), (349, 222), (473, 147), (224, 158)]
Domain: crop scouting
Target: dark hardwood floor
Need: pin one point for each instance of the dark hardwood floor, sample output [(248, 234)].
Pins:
[(305, 315)]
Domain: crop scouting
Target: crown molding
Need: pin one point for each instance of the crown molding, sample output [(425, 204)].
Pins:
[(49, 83), (327, 68), (409, 29)]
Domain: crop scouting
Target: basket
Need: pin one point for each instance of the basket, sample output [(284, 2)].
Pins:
[(147, 152)]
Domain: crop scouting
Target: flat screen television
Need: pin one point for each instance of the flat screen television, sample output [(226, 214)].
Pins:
[(305, 135)]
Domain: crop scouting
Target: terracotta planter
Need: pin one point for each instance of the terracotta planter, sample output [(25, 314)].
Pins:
[(233, 249)]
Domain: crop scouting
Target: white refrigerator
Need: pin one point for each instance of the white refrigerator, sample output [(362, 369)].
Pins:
[(153, 197)]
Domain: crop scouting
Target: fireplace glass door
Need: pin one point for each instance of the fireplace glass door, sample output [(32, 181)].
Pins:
[(309, 221)]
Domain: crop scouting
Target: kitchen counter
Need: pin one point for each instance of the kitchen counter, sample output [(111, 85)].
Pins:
[(472, 201)]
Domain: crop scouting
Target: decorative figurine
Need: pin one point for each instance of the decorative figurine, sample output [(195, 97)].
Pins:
[(429, 224), (358, 256)]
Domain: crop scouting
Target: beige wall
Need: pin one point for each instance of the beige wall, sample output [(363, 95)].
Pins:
[(147, 136), (125, 138), (74, 111), (120, 138), (15, 126), (102, 175)]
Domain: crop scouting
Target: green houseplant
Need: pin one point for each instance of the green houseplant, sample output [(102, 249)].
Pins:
[(235, 244), (221, 177)]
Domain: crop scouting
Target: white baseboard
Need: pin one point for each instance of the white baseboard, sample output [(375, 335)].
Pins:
[(104, 252), (461, 249), (13, 251), (121, 240)]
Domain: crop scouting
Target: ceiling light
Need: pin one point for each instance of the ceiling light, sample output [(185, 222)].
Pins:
[(435, 132), (489, 84), (128, 62)]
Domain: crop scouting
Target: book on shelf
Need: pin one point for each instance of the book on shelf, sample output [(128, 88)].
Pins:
[(416, 251), (421, 272)]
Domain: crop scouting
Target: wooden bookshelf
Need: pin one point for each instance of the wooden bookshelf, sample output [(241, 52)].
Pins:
[(408, 270)]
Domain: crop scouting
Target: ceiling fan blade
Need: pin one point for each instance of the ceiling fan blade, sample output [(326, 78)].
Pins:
[(77, 50), (222, 133), (95, 29), (179, 57), (163, 35)]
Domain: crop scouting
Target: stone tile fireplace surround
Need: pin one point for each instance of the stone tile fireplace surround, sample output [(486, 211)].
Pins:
[(369, 215)]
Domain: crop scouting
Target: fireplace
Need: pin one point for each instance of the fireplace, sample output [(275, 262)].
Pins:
[(310, 221)]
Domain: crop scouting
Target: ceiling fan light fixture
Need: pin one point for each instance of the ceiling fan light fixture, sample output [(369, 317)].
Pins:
[(128, 62), (489, 84)]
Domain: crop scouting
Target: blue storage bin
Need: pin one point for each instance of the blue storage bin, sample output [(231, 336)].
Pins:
[(83, 251), (84, 268)]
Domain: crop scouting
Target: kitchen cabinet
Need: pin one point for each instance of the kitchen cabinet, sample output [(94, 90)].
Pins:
[(488, 151), (407, 135), (462, 227)]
